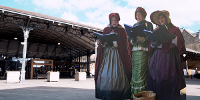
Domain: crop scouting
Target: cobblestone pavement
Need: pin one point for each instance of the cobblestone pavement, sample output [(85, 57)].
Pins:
[(67, 89)]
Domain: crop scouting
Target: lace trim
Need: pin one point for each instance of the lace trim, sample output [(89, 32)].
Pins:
[(139, 87), (139, 48)]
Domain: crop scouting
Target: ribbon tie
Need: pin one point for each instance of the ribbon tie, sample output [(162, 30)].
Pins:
[(114, 28)]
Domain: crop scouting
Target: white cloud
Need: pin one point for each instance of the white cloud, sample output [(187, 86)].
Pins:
[(182, 12), (101, 13), (84, 4), (97, 15), (94, 24), (69, 16), (49, 4)]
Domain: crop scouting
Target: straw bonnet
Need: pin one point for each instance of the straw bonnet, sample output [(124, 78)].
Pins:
[(142, 11), (154, 16)]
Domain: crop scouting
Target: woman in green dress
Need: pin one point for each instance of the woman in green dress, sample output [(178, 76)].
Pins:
[(140, 55)]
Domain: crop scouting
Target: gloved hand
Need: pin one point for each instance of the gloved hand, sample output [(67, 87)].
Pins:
[(170, 36), (155, 43), (103, 43), (140, 39), (132, 41)]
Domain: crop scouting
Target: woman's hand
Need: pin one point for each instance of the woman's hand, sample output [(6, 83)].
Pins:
[(170, 36), (140, 39), (155, 43), (131, 42)]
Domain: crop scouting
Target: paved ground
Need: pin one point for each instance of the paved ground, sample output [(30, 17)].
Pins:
[(192, 89), (67, 89)]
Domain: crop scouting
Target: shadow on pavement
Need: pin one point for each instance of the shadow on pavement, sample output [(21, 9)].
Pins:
[(47, 93), (190, 97)]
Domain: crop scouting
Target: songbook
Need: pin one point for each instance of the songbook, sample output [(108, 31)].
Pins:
[(129, 30), (137, 30), (107, 37), (158, 34)]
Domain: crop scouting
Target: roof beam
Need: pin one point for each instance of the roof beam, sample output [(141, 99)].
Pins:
[(70, 50), (28, 48), (2, 15), (46, 50), (7, 48), (68, 28), (27, 21), (61, 51), (84, 40), (49, 25), (54, 50), (37, 50), (78, 41), (17, 55), (50, 19)]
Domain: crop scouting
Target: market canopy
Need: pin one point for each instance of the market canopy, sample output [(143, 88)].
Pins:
[(49, 38)]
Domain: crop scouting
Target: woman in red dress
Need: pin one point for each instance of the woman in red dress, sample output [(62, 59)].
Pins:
[(165, 76), (113, 64)]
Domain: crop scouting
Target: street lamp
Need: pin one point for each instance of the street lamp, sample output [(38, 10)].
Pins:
[(186, 65)]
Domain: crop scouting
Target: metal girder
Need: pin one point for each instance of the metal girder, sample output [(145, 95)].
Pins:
[(13, 20), (3, 28), (61, 51), (84, 40), (79, 35), (79, 38), (17, 55), (57, 29), (88, 62), (2, 16), (68, 28), (68, 49), (26, 28), (73, 42), (77, 41), (49, 25), (7, 48), (46, 50), (27, 21), (54, 50), (83, 31), (28, 48), (37, 50)]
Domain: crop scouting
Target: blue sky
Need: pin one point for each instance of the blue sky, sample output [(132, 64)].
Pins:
[(183, 13)]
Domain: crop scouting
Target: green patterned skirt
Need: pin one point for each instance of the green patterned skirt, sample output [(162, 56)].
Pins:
[(139, 71)]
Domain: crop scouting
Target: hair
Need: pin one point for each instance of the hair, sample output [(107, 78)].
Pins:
[(161, 14), (114, 14), (141, 13), (168, 24)]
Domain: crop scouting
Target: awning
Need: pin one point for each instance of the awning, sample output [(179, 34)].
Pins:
[(51, 37)]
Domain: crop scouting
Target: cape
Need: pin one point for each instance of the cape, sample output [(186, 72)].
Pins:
[(123, 49)]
